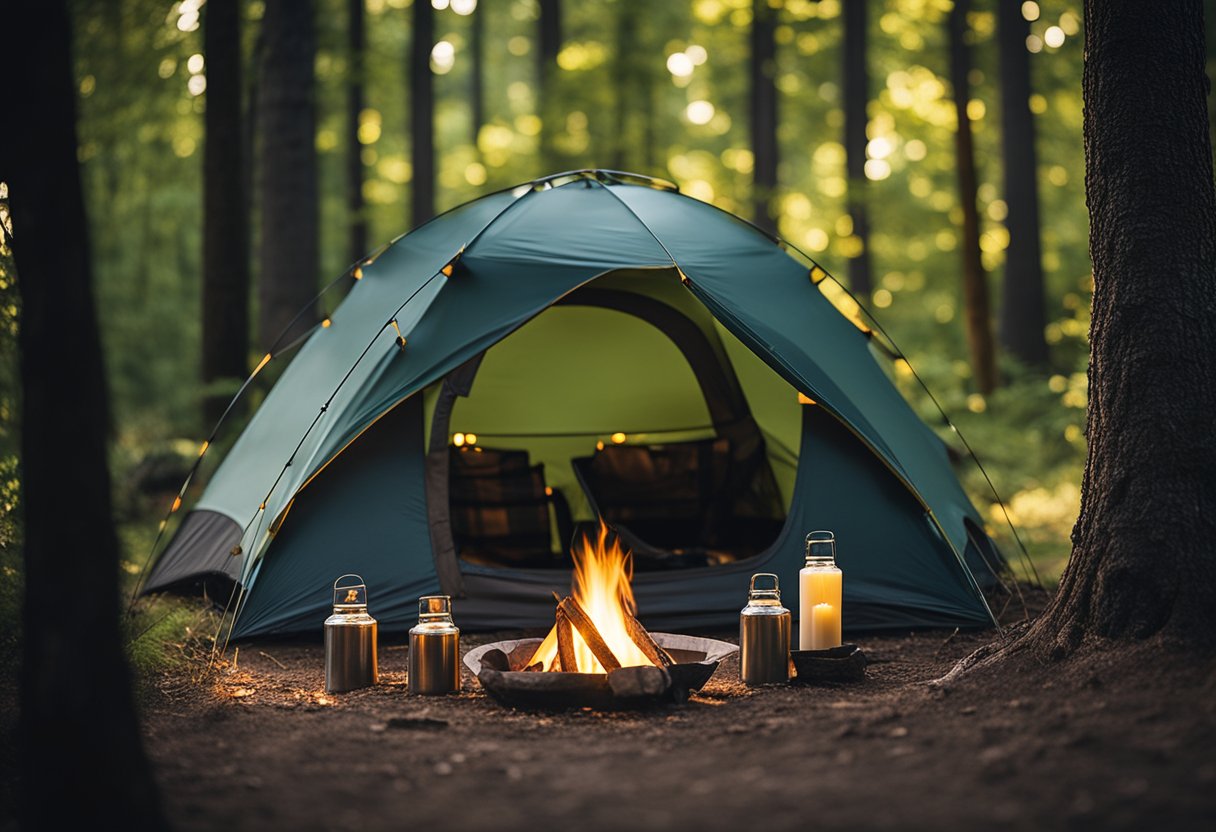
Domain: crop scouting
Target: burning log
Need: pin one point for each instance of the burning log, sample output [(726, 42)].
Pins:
[(565, 641), (638, 634), (575, 615)]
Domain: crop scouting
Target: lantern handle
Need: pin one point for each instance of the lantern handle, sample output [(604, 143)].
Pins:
[(349, 575), (350, 596)]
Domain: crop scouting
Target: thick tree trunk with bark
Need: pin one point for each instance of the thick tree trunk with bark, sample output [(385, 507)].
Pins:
[(549, 36), (422, 115), (357, 77), (1023, 309), (225, 205), (289, 260), (1144, 546), (764, 114), (81, 759), (975, 279), (856, 100)]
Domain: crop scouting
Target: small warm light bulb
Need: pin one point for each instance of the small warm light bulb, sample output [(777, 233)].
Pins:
[(619, 438), (548, 491), (471, 438), (458, 439), (325, 323), (357, 274), (599, 446)]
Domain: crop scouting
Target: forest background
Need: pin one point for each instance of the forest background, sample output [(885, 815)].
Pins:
[(525, 88)]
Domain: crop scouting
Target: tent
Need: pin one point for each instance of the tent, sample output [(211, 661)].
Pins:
[(592, 343)]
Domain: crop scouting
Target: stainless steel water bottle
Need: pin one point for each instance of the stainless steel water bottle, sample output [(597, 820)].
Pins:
[(764, 635), (434, 663), (350, 639)]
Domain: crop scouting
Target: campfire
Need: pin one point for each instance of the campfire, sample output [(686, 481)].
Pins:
[(596, 631), (597, 654)]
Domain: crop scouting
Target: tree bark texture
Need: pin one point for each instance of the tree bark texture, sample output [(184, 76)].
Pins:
[(1144, 546), (225, 205), (631, 89), (422, 115), (1023, 308), (975, 279), (549, 35), (356, 61), (81, 756), (764, 114), (856, 101), (289, 260)]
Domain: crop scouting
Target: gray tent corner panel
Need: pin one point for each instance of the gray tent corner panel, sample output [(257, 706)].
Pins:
[(199, 556)]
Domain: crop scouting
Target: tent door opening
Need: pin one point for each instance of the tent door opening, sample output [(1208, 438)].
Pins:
[(611, 404)]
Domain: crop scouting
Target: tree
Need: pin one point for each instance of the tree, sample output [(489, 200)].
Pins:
[(975, 280), (549, 36), (856, 102), (1023, 309), (764, 113), (289, 261), (354, 148), (81, 749), (1143, 559), (225, 219), (1143, 563), (422, 115)]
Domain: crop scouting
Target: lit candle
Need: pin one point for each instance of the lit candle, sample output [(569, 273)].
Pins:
[(825, 626), (820, 585)]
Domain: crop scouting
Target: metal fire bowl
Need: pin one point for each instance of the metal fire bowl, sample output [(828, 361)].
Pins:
[(696, 660)]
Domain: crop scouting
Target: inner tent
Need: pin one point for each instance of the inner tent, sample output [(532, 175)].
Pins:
[(625, 400)]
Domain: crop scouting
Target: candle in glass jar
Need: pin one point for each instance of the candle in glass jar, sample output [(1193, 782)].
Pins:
[(820, 588)]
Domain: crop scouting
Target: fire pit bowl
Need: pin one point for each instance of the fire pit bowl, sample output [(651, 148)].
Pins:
[(499, 669)]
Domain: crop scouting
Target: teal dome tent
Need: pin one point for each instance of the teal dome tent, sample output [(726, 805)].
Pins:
[(593, 344)]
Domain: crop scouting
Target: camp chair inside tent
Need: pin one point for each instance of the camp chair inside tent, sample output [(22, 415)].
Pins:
[(501, 507), (681, 504)]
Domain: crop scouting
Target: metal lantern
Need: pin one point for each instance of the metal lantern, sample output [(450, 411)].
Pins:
[(350, 639), (434, 663)]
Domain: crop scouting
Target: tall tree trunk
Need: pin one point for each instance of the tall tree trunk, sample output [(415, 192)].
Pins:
[(288, 165), (975, 279), (764, 114), (422, 114), (356, 60), (1143, 561), (856, 101), (549, 35), (477, 88), (1023, 309), (225, 221), (81, 751)]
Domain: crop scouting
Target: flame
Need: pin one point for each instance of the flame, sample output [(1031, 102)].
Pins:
[(602, 572)]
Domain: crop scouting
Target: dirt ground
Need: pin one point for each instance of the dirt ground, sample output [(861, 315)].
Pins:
[(1084, 745)]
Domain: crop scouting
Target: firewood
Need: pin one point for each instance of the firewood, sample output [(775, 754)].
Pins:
[(565, 642), (643, 682), (649, 647), (590, 633)]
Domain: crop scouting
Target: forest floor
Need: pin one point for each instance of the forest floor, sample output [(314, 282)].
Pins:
[(258, 744)]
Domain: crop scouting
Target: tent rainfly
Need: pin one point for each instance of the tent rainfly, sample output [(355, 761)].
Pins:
[(590, 344)]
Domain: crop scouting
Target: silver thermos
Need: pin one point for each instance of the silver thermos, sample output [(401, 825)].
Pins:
[(434, 663), (350, 639), (764, 635)]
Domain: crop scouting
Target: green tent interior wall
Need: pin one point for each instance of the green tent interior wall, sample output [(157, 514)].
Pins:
[(533, 317)]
